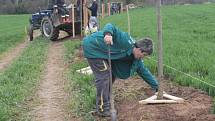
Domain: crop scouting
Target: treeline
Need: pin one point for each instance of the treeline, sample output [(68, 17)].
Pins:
[(31, 6), (21, 6), (24, 6), (164, 2)]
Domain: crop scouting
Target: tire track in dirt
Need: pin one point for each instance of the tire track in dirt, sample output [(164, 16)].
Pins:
[(51, 94), (8, 57)]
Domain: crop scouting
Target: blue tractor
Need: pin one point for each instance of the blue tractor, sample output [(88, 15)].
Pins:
[(53, 20)]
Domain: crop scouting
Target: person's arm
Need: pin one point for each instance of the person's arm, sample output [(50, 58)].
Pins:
[(146, 75), (113, 35)]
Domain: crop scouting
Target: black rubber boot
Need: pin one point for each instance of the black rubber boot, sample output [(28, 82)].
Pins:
[(104, 114)]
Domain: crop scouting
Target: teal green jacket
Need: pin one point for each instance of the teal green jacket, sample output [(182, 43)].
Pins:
[(95, 47), (123, 63)]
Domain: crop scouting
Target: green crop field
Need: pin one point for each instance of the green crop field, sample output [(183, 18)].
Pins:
[(188, 41), (19, 80), (12, 30)]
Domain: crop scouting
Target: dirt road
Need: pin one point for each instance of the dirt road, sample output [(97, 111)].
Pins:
[(51, 95), (8, 57)]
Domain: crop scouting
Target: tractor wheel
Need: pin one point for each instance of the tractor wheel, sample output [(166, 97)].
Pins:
[(31, 32), (69, 32), (48, 29)]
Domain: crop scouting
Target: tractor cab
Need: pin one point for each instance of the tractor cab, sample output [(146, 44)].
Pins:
[(57, 17), (60, 10)]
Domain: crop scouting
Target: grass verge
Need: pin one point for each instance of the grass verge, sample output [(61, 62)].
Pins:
[(81, 86), (12, 31), (20, 79)]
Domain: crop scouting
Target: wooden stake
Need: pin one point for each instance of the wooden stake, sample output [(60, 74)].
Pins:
[(81, 14), (172, 97), (129, 30), (159, 48), (85, 12), (160, 40), (108, 7), (157, 101), (103, 10), (121, 8), (153, 99), (73, 21)]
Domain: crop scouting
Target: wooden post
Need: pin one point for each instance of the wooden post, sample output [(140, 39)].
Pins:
[(129, 26), (103, 10), (84, 13), (170, 99), (121, 7), (86, 16), (158, 98), (159, 48), (109, 7), (73, 21), (81, 16), (99, 12)]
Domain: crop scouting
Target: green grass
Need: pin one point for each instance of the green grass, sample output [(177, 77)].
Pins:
[(188, 35), (19, 80), (12, 30), (81, 86), (188, 41)]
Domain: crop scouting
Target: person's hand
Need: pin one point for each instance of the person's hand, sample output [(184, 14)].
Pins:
[(108, 39), (138, 54)]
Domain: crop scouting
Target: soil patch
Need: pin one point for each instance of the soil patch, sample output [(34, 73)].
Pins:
[(197, 106), (127, 94)]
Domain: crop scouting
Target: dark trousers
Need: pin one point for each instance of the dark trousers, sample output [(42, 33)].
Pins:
[(101, 72)]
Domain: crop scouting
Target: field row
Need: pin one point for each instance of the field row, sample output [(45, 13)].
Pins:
[(188, 38), (188, 35), (12, 31), (20, 79)]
